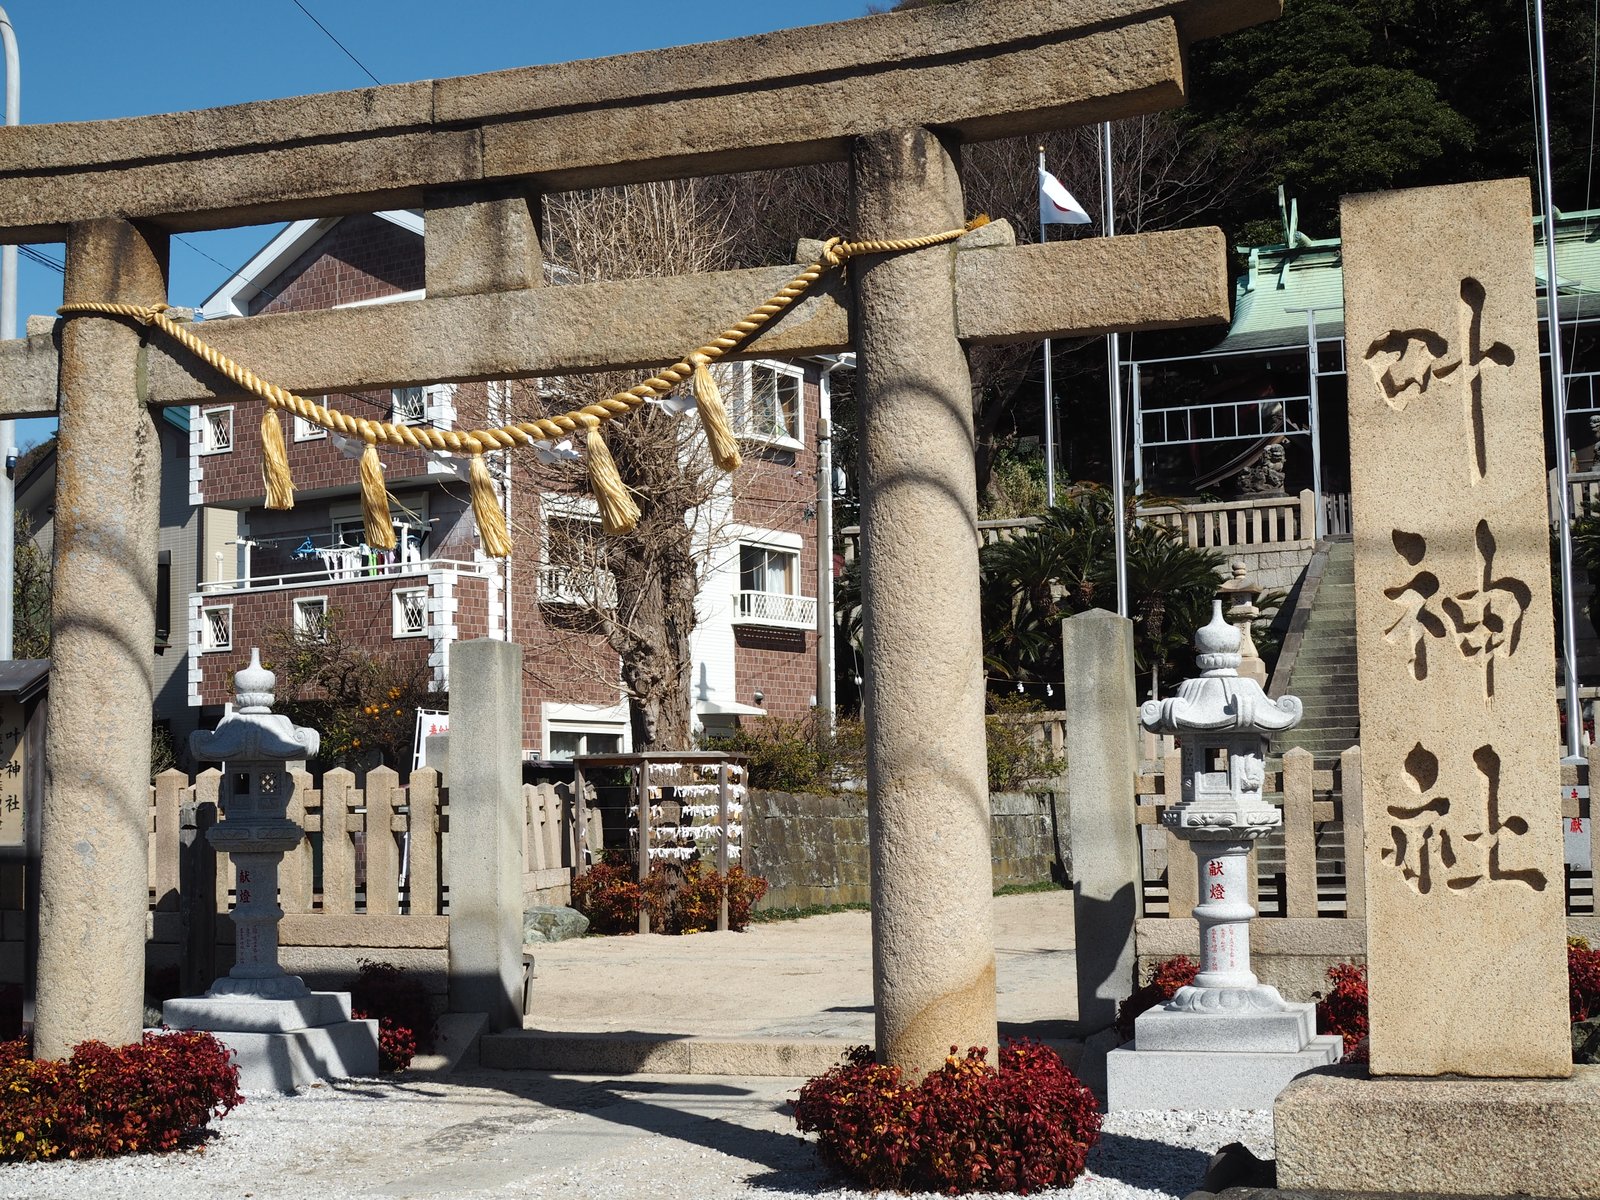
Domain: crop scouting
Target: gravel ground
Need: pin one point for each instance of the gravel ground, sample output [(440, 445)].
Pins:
[(567, 1138)]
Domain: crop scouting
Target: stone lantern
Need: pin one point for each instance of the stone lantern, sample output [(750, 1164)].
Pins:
[(1242, 592), (1224, 721), (1228, 1040), (284, 1034)]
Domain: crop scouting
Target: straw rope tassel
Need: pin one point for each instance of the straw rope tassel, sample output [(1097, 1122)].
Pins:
[(617, 509), (487, 512), (618, 512), (275, 475), (375, 501), (714, 417)]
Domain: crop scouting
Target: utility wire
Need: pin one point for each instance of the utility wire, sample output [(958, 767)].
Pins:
[(44, 260), (232, 274), (337, 42)]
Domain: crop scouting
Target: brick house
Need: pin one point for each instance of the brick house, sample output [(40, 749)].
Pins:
[(754, 649)]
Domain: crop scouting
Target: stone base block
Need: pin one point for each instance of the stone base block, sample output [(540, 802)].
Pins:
[(456, 1039), (245, 1014), (1284, 1032), (1211, 1081), (1341, 1130), (285, 1062), (282, 1045)]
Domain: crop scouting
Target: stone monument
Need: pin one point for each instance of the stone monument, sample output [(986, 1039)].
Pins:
[(1228, 1040), (1466, 920), (283, 1034)]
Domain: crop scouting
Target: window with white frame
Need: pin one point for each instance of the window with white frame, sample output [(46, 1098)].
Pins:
[(216, 628), (570, 568), (769, 569), (408, 406), (216, 431), (569, 743), (410, 612), (573, 729), (769, 585), (308, 431), (311, 618), (771, 403)]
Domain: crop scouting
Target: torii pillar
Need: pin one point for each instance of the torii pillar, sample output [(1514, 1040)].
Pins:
[(927, 776), (94, 885)]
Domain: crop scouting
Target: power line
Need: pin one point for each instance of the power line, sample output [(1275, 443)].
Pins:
[(44, 260), (232, 274), (337, 42)]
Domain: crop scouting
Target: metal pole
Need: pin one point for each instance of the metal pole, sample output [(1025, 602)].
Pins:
[(1314, 402), (8, 330), (1558, 407), (1114, 381), (825, 615), (1136, 395), (1049, 380)]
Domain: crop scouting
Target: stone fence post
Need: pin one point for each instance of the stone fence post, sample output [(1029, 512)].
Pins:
[(485, 854), (1103, 840)]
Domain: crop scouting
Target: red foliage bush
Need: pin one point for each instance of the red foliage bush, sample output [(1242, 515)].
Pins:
[(406, 1024), (1583, 979), (967, 1127), (107, 1100), (744, 893), (608, 894), (1344, 1009), (680, 897), (1168, 977)]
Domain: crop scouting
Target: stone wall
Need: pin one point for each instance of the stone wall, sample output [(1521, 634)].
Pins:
[(813, 849), (1270, 567)]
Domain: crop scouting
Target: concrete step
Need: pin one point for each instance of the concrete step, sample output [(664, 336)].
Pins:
[(626, 1053)]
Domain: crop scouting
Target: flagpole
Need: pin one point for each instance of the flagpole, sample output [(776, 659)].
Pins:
[(1114, 380), (1049, 379), (1558, 405)]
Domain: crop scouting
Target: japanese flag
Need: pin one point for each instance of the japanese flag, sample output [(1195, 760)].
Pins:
[(1056, 205)]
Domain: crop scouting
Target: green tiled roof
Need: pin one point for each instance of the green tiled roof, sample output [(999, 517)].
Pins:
[(1282, 278)]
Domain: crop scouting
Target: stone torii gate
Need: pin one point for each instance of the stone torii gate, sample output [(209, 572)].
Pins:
[(894, 94)]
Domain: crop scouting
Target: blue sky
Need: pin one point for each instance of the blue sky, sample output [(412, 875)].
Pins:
[(91, 59)]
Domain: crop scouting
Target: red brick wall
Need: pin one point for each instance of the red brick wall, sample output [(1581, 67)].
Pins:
[(366, 257), (775, 490), (363, 606), (361, 258)]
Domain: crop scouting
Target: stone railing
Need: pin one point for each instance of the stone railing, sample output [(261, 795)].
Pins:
[(1273, 523), (371, 878), (1278, 522)]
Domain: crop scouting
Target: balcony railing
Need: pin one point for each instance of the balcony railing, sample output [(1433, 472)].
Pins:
[(577, 587), (335, 573), (774, 610)]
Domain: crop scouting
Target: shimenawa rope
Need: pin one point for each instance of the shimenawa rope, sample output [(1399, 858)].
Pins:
[(617, 509)]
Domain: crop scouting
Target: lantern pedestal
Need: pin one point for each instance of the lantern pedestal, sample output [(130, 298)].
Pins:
[(1227, 1040), (284, 1036)]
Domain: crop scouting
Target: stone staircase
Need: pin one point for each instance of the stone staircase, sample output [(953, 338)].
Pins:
[(1322, 670)]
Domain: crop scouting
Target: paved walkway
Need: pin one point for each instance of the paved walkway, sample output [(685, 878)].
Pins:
[(513, 1135), (802, 988)]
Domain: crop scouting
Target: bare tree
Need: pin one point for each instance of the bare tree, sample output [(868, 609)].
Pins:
[(636, 590), (1166, 174)]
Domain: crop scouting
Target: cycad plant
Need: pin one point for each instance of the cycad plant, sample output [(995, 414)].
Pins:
[(1067, 564)]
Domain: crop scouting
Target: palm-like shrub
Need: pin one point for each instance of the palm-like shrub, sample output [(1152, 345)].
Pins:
[(1067, 564)]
